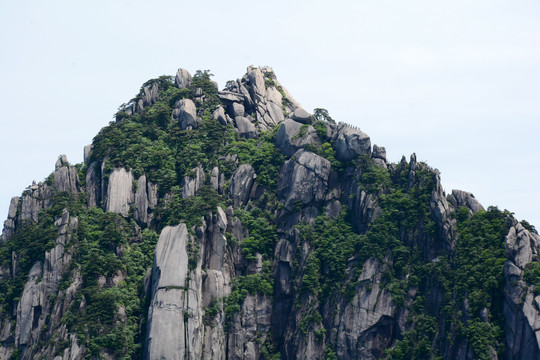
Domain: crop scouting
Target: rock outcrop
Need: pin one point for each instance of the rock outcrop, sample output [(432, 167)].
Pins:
[(303, 242), (120, 192)]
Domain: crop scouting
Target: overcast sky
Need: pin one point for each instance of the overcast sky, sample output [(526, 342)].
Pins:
[(456, 82)]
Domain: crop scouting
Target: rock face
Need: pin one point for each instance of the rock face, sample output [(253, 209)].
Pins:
[(185, 113), (521, 310), (297, 242), (166, 331), (304, 179), (351, 142), (120, 191)]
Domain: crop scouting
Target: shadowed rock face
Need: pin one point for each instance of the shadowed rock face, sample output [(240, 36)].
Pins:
[(248, 279)]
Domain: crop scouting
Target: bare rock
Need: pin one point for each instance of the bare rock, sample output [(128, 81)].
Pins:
[(92, 186), (185, 113), (242, 181), (460, 198), (303, 179), (245, 127), (120, 192), (165, 338), (87, 152), (193, 183), (65, 176), (351, 142), (183, 78), (292, 136), (141, 201), (302, 116)]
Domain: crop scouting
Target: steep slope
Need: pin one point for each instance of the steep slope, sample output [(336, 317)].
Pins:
[(236, 225)]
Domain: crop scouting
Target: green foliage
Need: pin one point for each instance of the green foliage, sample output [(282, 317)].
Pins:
[(532, 275), (260, 283), (262, 232), (322, 115), (417, 343)]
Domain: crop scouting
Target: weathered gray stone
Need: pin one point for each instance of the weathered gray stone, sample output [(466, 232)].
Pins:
[(303, 179), (192, 183), (87, 152), (183, 78), (141, 201), (165, 338), (292, 136), (92, 187), (302, 116), (120, 192), (150, 95), (237, 110), (242, 181), (245, 127), (230, 96), (65, 176), (351, 142), (460, 198), (186, 114), (219, 115)]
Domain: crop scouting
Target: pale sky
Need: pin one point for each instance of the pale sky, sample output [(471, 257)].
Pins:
[(456, 82)]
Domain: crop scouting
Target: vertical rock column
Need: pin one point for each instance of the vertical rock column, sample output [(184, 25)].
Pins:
[(166, 336)]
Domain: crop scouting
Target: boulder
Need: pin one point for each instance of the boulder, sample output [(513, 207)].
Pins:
[(350, 142), (292, 136), (219, 115), (302, 116), (245, 127), (183, 78), (186, 114), (460, 198)]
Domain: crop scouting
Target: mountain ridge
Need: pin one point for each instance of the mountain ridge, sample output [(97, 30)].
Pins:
[(247, 181)]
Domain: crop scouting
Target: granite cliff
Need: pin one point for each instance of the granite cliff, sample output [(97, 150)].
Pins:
[(234, 224)]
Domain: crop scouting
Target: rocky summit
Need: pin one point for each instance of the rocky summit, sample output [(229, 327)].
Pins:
[(234, 224)]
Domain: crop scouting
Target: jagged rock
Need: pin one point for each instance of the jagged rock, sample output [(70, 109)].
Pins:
[(165, 338), (521, 313), (302, 116), (192, 184), (351, 142), (460, 198), (242, 181), (303, 179), (245, 127), (29, 307), (292, 136), (379, 155), (9, 224), (65, 176), (250, 328), (219, 115), (183, 78), (120, 192), (185, 113), (150, 95)]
